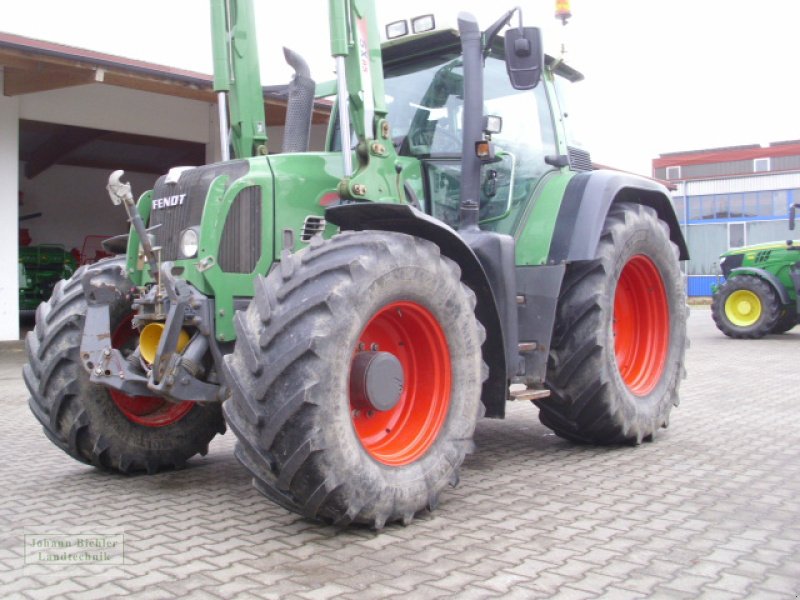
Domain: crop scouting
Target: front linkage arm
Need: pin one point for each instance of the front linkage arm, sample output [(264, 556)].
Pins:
[(174, 374), (103, 287)]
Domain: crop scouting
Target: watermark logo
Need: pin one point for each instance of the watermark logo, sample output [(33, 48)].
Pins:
[(75, 548)]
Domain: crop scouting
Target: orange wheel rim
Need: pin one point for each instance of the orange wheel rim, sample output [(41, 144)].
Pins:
[(402, 434), (641, 325)]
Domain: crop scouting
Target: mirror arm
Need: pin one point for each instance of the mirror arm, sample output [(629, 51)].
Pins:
[(492, 32)]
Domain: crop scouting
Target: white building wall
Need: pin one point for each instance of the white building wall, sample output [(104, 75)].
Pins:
[(9, 174), (74, 203), (733, 185), (120, 109)]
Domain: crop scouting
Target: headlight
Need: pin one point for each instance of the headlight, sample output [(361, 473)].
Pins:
[(190, 242)]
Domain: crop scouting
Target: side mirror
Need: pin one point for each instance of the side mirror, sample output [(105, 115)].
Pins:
[(524, 57)]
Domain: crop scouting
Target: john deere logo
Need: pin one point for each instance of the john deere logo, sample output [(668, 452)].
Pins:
[(168, 201)]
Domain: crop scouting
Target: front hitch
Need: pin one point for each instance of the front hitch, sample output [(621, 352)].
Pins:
[(173, 375), (102, 288)]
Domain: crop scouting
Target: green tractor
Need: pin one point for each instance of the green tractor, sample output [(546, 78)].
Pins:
[(40, 268), (761, 292), (351, 314)]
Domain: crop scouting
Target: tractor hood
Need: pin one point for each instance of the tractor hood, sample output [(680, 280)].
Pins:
[(783, 245), (760, 256)]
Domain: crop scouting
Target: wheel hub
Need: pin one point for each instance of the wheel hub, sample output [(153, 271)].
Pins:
[(743, 308), (400, 382), (376, 380)]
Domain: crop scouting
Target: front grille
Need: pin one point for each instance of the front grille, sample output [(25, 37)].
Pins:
[(240, 246), (579, 160), (177, 206), (730, 262), (311, 227)]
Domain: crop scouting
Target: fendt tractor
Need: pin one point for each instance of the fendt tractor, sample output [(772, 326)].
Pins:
[(761, 291), (350, 314)]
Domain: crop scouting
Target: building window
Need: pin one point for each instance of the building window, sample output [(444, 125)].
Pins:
[(680, 208), (673, 172), (737, 235), (723, 206), (708, 208), (736, 206), (760, 165), (748, 205), (780, 202), (695, 208)]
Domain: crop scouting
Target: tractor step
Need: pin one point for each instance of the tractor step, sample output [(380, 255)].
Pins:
[(520, 392)]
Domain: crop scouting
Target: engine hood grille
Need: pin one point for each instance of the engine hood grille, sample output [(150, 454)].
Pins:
[(179, 205)]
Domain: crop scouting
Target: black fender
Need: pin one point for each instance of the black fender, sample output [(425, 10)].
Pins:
[(403, 218), (585, 205), (770, 278), (116, 245)]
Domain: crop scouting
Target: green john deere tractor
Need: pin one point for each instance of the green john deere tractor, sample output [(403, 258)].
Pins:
[(761, 292), (40, 268), (351, 314)]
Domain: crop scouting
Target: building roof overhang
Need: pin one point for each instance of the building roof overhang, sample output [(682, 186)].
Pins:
[(32, 66), (719, 155)]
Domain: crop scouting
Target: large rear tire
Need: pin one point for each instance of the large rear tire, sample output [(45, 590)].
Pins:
[(616, 359), (323, 434), (786, 321), (745, 306), (92, 424)]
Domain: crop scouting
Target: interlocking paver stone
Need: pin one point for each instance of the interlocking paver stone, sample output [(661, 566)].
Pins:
[(710, 509)]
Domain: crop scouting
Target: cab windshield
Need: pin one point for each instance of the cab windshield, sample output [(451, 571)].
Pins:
[(425, 106)]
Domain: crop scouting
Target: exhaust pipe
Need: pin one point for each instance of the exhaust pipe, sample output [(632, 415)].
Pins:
[(297, 130), (472, 54)]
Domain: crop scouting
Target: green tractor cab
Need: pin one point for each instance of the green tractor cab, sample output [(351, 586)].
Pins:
[(761, 292)]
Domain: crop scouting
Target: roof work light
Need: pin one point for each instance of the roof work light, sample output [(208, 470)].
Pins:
[(396, 29), (419, 24), (563, 11)]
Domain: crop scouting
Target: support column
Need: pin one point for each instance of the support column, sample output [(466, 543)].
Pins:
[(213, 152), (9, 208)]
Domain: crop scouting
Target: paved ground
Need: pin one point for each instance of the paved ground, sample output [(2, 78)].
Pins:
[(711, 509)]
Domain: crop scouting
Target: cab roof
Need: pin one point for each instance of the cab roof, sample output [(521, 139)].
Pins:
[(447, 43)]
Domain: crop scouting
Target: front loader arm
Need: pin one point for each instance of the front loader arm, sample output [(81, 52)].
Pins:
[(355, 44), (237, 77)]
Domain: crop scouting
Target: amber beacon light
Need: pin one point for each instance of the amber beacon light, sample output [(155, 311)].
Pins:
[(563, 11)]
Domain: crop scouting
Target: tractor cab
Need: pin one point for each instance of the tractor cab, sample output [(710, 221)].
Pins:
[(424, 86)]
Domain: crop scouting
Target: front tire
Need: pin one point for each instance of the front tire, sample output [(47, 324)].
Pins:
[(745, 306), (91, 423), (313, 439), (619, 340)]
